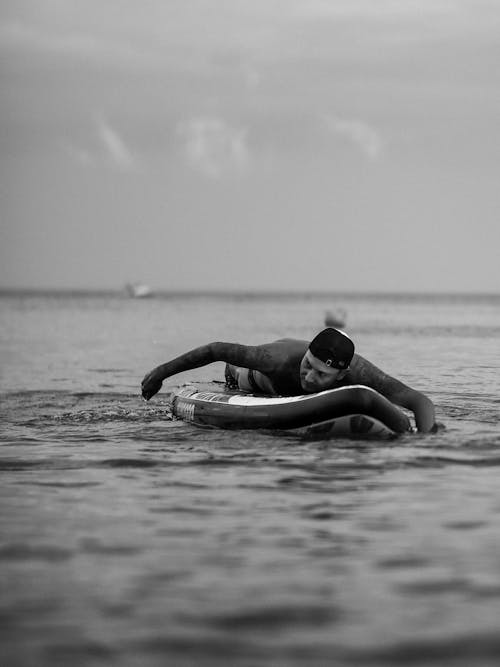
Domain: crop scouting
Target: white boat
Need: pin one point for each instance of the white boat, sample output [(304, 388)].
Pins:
[(138, 290)]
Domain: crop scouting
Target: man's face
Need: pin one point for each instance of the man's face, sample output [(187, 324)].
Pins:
[(316, 376)]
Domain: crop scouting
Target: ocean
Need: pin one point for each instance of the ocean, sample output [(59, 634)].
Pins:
[(128, 538)]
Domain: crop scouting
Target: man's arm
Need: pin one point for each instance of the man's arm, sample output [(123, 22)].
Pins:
[(364, 372), (260, 358)]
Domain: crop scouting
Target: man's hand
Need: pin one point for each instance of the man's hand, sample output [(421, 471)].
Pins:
[(437, 427), (151, 383)]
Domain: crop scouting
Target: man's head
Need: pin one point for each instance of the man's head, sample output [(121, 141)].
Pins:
[(326, 361)]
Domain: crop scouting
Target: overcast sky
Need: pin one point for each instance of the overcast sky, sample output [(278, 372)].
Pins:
[(251, 144)]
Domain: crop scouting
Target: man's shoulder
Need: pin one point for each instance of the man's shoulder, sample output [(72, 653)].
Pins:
[(359, 362), (362, 371), (290, 347), (292, 343)]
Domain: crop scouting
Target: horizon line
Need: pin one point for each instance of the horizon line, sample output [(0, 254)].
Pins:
[(245, 292)]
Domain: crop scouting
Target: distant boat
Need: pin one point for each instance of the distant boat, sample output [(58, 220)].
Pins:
[(138, 290), (336, 318)]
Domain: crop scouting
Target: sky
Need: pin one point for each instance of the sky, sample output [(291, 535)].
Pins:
[(269, 145)]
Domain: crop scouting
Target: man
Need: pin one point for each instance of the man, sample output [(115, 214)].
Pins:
[(290, 367)]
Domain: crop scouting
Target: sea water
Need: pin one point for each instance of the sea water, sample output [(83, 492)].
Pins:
[(132, 539)]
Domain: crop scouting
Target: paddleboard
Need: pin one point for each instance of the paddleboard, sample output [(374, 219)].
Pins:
[(353, 411)]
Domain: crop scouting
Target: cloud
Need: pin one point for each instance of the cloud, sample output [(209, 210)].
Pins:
[(361, 135), (87, 44), (30, 37), (379, 11), (213, 146), (110, 149), (115, 148), (80, 155)]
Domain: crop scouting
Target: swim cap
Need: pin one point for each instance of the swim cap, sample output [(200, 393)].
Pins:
[(332, 347)]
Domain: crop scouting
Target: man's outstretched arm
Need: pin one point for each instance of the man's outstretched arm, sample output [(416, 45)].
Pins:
[(257, 357)]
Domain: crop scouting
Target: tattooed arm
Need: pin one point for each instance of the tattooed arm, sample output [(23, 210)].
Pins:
[(263, 358), (364, 372)]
